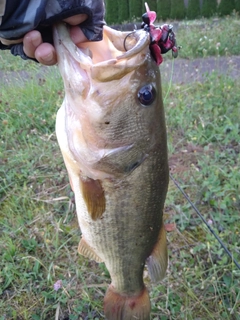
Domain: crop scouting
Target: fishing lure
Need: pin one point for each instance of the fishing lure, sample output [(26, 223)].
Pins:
[(162, 38)]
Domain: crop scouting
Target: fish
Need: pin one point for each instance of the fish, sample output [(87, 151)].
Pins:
[(112, 134)]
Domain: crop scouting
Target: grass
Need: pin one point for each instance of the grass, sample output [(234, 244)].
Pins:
[(209, 37), (39, 233), (205, 160)]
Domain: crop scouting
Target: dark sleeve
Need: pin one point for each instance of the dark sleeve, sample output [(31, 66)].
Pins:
[(19, 17)]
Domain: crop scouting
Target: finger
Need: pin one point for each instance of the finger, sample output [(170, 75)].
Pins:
[(77, 35), (77, 19), (46, 54), (30, 43), (7, 42)]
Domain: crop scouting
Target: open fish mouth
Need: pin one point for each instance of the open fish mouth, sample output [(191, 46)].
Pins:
[(96, 76), (114, 56)]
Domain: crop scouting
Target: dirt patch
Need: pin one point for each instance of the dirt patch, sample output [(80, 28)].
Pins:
[(187, 71), (184, 157), (181, 70)]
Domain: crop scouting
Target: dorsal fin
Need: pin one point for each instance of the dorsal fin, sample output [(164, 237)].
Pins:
[(94, 197)]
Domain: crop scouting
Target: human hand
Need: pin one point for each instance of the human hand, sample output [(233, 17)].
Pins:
[(33, 39), (44, 52)]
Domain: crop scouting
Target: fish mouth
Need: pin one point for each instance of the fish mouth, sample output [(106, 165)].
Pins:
[(115, 55)]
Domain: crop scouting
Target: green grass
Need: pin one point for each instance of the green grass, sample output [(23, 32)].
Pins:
[(39, 232), (203, 125), (209, 37), (9, 62)]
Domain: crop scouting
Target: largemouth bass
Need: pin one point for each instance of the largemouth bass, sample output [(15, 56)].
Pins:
[(112, 134)]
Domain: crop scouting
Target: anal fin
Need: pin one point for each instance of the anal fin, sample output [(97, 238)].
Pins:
[(157, 262), (126, 307), (94, 197), (85, 250)]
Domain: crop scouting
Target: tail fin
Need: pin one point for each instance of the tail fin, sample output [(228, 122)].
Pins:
[(123, 307)]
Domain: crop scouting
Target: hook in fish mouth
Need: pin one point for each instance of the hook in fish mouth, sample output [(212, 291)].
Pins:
[(125, 40), (105, 52)]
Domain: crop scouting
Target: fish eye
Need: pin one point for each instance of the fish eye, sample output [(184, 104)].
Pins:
[(146, 95)]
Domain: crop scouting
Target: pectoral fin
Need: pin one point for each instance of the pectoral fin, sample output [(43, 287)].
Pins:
[(94, 197), (85, 250), (158, 260)]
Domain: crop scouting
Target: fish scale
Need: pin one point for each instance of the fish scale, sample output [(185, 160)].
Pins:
[(119, 215)]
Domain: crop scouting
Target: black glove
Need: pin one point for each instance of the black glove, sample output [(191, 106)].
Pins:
[(21, 17)]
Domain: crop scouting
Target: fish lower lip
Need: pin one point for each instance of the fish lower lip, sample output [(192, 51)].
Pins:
[(65, 46)]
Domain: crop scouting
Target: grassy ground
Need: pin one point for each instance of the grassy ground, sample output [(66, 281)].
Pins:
[(204, 37), (38, 228)]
